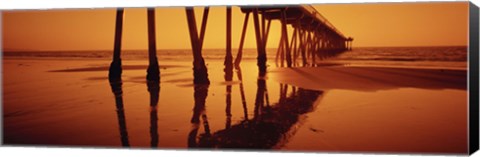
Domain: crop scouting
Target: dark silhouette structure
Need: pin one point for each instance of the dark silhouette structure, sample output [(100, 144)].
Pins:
[(313, 37), (115, 71)]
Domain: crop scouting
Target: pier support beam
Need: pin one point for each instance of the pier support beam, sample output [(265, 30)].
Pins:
[(115, 71), (228, 55), (280, 52), (262, 56), (293, 46), (314, 48), (153, 73), (200, 72), (308, 44), (285, 38), (238, 59), (302, 46), (346, 44), (351, 43), (265, 35)]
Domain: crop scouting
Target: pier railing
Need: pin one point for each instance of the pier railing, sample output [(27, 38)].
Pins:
[(310, 9)]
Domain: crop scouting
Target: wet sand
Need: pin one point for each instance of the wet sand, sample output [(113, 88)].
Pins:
[(330, 108)]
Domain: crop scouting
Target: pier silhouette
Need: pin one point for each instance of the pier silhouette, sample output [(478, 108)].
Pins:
[(314, 38)]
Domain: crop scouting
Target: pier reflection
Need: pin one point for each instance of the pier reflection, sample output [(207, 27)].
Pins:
[(116, 86), (271, 126), (242, 93), (154, 90), (200, 95)]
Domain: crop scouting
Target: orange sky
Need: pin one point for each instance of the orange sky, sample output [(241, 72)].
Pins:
[(384, 24)]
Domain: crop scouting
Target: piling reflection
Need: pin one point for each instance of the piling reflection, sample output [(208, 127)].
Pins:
[(116, 86), (200, 95), (228, 79), (154, 90), (242, 93), (259, 98)]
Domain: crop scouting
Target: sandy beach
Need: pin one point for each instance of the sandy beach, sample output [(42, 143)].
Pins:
[(348, 109)]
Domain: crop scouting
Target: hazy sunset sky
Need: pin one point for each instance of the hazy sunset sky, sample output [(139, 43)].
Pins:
[(375, 24)]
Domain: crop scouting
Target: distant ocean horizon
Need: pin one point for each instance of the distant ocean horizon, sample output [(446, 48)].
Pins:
[(440, 56)]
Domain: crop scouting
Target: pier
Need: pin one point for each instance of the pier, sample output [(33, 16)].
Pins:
[(314, 38)]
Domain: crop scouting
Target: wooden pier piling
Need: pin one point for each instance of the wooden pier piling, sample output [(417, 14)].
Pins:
[(228, 55), (115, 71), (285, 38), (153, 73), (262, 56), (238, 59), (200, 72)]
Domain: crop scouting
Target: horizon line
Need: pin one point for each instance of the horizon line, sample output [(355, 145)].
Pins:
[(20, 50)]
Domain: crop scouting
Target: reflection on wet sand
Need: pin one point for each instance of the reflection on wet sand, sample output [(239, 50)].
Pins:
[(270, 127), (242, 93), (154, 90), (228, 78), (118, 92), (200, 95)]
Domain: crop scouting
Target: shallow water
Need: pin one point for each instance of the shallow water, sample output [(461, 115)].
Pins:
[(72, 103)]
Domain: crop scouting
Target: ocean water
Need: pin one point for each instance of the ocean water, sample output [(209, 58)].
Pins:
[(451, 57)]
